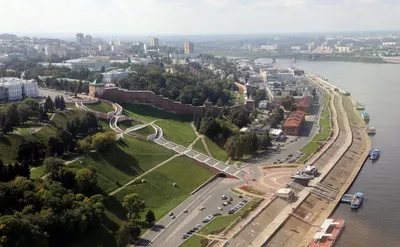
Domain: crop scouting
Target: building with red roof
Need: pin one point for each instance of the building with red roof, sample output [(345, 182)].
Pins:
[(294, 122), (305, 103)]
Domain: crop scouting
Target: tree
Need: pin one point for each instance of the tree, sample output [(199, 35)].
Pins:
[(52, 163), (24, 112), (55, 146), (62, 104), (63, 175), (133, 206), (11, 114), (49, 104), (31, 152), (57, 102), (32, 103), (42, 115), (150, 217), (127, 234), (287, 102), (209, 127), (240, 117), (265, 141), (86, 179)]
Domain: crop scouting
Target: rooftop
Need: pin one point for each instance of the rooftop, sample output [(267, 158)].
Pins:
[(295, 119), (305, 101), (14, 81)]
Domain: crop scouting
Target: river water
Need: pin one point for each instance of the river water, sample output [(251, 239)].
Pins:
[(377, 222)]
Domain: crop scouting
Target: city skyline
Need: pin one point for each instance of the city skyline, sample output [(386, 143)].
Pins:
[(172, 17)]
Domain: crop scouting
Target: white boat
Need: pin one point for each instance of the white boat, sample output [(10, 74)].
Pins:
[(371, 131)]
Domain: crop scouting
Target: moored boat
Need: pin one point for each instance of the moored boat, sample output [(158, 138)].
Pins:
[(357, 200), (302, 176), (371, 131), (328, 233), (365, 116), (374, 154)]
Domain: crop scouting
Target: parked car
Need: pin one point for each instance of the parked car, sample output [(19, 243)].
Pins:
[(171, 213), (217, 214), (185, 236), (201, 208), (223, 197), (219, 208), (173, 217), (290, 155)]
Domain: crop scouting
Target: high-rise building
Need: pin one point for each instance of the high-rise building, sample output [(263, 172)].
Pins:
[(88, 40), (154, 42), (79, 38), (189, 48)]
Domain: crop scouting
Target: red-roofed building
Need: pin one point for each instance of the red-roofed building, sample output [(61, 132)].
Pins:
[(294, 122), (304, 103)]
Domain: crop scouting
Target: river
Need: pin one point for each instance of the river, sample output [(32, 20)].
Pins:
[(377, 86)]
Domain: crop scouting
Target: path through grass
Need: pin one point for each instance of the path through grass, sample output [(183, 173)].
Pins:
[(100, 106)]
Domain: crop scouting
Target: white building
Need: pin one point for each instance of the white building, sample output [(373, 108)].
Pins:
[(343, 49), (12, 89), (273, 47), (92, 63), (114, 75)]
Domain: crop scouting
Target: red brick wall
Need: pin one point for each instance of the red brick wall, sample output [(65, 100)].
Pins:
[(157, 101)]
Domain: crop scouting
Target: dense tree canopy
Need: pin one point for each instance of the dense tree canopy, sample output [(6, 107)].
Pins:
[(188, 89), (43, 213)]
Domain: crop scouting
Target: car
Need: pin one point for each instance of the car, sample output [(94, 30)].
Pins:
[(231, 211), (192, 231), (186, 211), (173, 217), (201, 208), (223, 197), (291, 140), (286, 158), (290, 155), (292, 160), (241, 203), (245, 201), (217, 214), (230, 198), (171, 213), (219, 208), (185, 236), (225, 204), (275, 162), (188, 233), (198, 226), (240, 196), (278, 160)]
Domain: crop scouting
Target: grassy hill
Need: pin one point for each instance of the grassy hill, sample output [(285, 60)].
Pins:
[(176, 128), (100, 106), (123, 161)]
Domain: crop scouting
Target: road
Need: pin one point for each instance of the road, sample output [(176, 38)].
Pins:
[(168, 232)]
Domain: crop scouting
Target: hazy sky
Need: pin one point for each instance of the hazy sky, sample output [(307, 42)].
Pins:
[(146, 17)]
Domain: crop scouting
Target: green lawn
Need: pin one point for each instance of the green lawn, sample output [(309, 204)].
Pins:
[(194, 241), (216, 151), (123, 161), (104, 123), (199, 147), (127, 124), (148, 130), (38, 172), (220, 223), (176, 128), (62, 118), (27, 127), (315, 144), (158, 192), (100, 106)]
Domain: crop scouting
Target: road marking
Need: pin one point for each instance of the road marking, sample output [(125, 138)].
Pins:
[(183, 223), (182, 212)]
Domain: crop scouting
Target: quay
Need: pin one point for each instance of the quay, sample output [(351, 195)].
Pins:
[(339, 162)]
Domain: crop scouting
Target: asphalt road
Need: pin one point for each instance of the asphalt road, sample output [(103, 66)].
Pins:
[(168, 232)]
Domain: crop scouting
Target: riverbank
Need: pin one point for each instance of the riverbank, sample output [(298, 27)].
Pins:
[(339, 165), (307, 57)]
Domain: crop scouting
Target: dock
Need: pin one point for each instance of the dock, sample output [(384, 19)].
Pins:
[(347, 198)]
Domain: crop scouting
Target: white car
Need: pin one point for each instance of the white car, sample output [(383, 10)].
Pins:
[(223, 197), (201, 208), (219, 208)]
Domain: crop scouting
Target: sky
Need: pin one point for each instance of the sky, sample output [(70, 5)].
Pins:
[(180, 17)]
